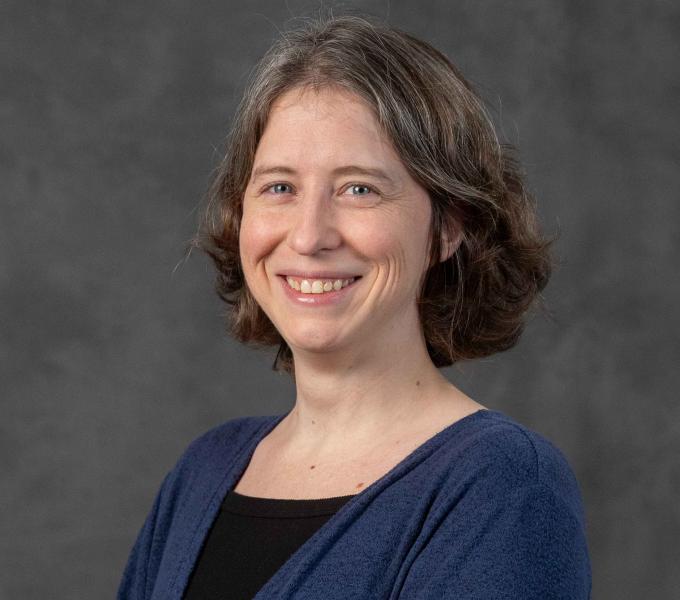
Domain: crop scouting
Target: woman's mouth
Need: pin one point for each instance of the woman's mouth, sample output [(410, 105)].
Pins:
[(317, 291), (318, 286)]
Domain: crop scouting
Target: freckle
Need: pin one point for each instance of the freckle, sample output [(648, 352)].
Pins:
[(360, 485), (417, 381), (313, 467)]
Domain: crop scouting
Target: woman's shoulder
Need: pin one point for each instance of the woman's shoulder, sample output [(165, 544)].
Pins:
[(208, 458), (501, 455), (223, 441)]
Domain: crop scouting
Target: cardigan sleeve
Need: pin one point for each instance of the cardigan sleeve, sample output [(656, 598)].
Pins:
[(142, 564), (528, 544)]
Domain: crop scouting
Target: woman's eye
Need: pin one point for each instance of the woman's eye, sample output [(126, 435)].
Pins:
[(359, 189), (279, 188)]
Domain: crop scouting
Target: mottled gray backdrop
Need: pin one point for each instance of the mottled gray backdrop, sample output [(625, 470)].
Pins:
[(112, 351)]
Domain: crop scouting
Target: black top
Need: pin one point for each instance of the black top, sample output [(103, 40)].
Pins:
[(250, 539)]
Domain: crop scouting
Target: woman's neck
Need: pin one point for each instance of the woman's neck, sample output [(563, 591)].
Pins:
[(365, 402)]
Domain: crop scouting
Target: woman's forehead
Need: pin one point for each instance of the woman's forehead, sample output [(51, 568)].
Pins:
[(333, 107), (310, 95), (329, 123)]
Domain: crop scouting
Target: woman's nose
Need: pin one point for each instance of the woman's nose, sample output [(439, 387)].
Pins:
[(313, 226)]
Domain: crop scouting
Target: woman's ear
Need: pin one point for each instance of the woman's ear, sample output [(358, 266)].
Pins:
[(451, 239)]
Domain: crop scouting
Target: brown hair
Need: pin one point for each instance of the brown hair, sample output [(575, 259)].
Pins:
[(472, 304)]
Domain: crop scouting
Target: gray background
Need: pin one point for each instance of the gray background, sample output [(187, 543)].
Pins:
[(112, 351)]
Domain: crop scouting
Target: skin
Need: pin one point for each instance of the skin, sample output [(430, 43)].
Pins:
[(363, 374)]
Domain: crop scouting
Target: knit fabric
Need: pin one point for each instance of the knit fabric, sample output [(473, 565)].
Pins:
[(485, 509)]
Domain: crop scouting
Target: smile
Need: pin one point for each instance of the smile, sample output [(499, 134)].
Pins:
[(318, 286), (317, 292)]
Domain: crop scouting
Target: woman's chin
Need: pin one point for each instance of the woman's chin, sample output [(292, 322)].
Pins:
[(316, 339)]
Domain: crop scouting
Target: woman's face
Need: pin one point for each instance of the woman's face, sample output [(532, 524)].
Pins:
[(329, 200)]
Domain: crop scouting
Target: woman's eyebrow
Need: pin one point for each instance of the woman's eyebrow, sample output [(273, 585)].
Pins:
[(375, 172)]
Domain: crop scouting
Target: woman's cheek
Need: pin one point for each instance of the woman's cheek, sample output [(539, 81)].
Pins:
[(256, 239), (375, 239)]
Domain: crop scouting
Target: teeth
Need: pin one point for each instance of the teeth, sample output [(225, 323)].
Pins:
[(317, 286)]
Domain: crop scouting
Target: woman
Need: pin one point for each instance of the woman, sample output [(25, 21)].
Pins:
[(368, 222)]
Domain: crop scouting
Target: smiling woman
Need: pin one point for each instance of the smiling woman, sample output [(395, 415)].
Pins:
[(367, 221)]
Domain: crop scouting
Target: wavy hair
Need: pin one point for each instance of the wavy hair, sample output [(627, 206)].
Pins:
[(472, 304)]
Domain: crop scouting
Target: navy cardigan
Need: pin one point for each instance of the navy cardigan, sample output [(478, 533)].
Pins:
[(485, 509)]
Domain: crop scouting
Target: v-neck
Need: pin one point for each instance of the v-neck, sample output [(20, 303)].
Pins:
[(234, 473), (271, 425)]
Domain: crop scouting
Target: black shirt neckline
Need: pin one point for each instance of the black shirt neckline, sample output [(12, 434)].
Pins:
[(278, 508)]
